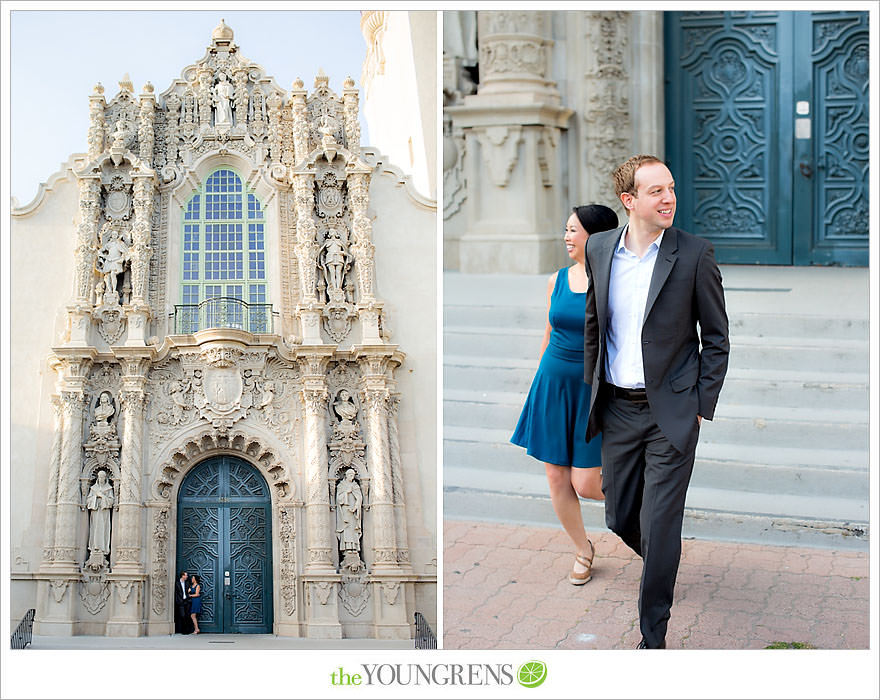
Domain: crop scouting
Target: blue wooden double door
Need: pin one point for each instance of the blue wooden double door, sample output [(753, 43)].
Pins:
[(224, 535), (767, 133)]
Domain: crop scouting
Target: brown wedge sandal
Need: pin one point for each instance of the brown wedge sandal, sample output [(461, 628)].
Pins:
[(579, 578)]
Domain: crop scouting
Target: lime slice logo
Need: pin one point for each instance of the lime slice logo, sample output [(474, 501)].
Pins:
[(531, 674)]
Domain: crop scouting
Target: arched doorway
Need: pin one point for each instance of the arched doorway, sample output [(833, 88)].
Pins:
[(224, 535)]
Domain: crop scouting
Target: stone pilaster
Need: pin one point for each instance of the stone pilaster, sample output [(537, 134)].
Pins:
[(203, 92), (146, 131), (352, 125), (54, 472), (398, 497), (97, 104), (512, 130), (309, 310), (138, 311), (128, 577), (79, 311), (320, 576), (362, 248), (300, 121)]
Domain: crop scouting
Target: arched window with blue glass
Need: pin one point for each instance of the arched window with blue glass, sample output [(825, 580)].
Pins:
[(223, 267)]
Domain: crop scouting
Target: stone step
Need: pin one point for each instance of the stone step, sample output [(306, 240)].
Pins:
[(723, 514), (489, 448), (753, 386), (765, 352), (533, 317), (753, 425)]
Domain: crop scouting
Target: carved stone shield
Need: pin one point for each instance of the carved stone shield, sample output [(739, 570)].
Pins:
[(223, 389)]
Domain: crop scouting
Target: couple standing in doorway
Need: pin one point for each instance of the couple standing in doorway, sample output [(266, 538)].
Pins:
[(634, 354), (187, 604)]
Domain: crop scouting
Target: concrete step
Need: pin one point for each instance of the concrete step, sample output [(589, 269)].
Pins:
[(722, 514), (780, 387), (534, 316), (810, 354), (489, 448), (734, 424)]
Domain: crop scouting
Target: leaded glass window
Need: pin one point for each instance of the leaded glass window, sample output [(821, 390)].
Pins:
[(223, 247)]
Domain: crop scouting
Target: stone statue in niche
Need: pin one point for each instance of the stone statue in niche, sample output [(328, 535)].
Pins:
[(346, 410), (103, 427), (223, 101), (349, 508), (335, 262), (99, 502), (111, 261)]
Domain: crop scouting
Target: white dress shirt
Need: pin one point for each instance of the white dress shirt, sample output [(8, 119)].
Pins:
[(627, 298)]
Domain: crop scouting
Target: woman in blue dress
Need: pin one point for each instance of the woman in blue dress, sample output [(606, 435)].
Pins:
[(195, 596), (554, 419)]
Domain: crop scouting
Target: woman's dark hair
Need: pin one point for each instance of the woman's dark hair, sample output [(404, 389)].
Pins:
[(596, 217), (196, 577)]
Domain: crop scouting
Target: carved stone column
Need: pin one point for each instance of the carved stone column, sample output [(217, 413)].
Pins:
[(138, 311), (398, 497), (375, 399), (363, 250), (300, 121), (59, 578), (512, 129), (352, 125), (97, 103), (320, 579), (128, 575), (80, 310), (203, 91), (274, 103), (309, 310), (146, 132), (54, 472)]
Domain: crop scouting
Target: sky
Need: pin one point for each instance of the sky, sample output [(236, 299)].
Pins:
[(57, 56)]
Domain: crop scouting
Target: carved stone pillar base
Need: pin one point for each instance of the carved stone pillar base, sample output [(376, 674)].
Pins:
[(390, 620), (137, 326), (126, 605), (289, 629), (79, 318), (310, 325), (515, 211), (322, 607), (56, 605)]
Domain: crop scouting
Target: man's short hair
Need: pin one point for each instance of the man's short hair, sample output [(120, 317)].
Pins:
[(625, 173)]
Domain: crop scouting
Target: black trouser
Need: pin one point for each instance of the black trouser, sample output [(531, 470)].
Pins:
[(645, 481)]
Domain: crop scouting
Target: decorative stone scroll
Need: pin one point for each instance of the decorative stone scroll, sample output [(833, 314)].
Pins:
[(235, 443)]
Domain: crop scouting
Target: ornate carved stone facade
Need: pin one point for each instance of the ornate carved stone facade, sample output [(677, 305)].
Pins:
[(305, 397), (539, 109)]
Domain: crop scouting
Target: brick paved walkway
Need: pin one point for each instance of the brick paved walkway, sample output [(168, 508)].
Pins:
[(506, 587)]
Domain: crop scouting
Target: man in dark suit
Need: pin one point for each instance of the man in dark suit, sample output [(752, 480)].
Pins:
[(651, 286), (182, 620)]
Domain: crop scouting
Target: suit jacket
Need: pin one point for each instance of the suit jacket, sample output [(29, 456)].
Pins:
[(179, 598), (681, 379)]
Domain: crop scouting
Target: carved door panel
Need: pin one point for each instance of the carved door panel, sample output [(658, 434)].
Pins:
[(767, 133), (224, 536), (831, 193)]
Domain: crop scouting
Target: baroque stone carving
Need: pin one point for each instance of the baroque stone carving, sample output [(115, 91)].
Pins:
[(99, 502), (94, 589), (287, 537), (58, 586), (235, 443), (159, 570), (354, 591), (349, 513)]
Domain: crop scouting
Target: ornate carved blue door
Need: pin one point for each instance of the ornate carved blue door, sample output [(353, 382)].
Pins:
[(224, 535), (767, 133)]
